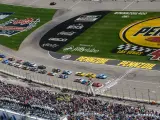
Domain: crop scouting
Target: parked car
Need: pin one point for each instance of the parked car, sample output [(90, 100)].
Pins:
[(2, 56), (67, 72), (11, 59), (52, 74), (56, 70), (42, 71), (101, 76), (5, 61), (63, 76), (97, 84), (41, 67)]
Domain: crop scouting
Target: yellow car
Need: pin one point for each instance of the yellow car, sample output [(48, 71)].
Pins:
[(90, 75), (1, 59), (80, 74)]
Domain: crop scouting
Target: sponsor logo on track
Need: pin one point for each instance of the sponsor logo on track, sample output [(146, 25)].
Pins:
[(15, 26), (58, 39), (88, 18), (4, 15), (144, 33), (76, 26), (66, 33)]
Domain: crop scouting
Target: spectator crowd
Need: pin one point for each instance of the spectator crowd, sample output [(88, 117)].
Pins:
[(52, 106)]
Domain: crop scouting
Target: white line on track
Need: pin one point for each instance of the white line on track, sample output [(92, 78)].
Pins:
[(128, 5), (75, 4)]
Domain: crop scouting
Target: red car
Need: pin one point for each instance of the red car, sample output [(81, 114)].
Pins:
[(95, 84), (19, 61)]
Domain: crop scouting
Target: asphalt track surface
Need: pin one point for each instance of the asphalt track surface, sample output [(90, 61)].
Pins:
[(127, 82)]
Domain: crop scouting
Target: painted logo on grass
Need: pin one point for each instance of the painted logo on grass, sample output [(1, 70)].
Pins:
[(15, 26), (144, 33), (4, 15)]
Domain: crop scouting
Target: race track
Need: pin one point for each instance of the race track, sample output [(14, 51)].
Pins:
[(137, 84)]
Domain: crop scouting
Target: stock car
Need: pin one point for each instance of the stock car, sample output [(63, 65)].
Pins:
[(33, 69), (52, 3), (97, 84), (19, 61), (90, 75), (11, 59), (56, 70), (25, 67), (101, 76), (32, 65), (80, 74), (2, 56), (42, 71), (81, 80), (10, 63), (41, 67), (1, 59), (52, 74), (26, 63), (67, 72), (63, 76), (18, 65), (5, 61)]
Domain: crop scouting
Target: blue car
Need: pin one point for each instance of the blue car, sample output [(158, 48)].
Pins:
[(101, 76), (63, 76), (5, 61), (67, 72), (2, 56)]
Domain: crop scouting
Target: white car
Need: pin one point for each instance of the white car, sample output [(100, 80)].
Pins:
[(33, 65)]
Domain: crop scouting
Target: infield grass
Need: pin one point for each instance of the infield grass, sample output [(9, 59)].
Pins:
[(14, 41), (104, 36)]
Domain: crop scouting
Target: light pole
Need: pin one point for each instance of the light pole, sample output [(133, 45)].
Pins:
[(149, 95), (135, 93)]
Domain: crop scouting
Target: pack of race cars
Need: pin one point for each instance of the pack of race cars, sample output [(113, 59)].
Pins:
[(25, 65)]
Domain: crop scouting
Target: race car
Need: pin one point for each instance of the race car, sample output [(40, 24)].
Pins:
[(1, 59), (101, 76), (81, 80), (56, 70), (52, 3), (33, 69), (67, 72), (52, 74), (80, 74), (5, 61), (42, 71), (10, 63), (32, 65), (26, 63), (19, 61), (41, 67), (63, 76), (90, 75), (2, 56), (96, 84), (25, 68), (11, 59)]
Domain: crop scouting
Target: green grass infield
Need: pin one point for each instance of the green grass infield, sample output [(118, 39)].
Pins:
[(22, 13), (103, 36)]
